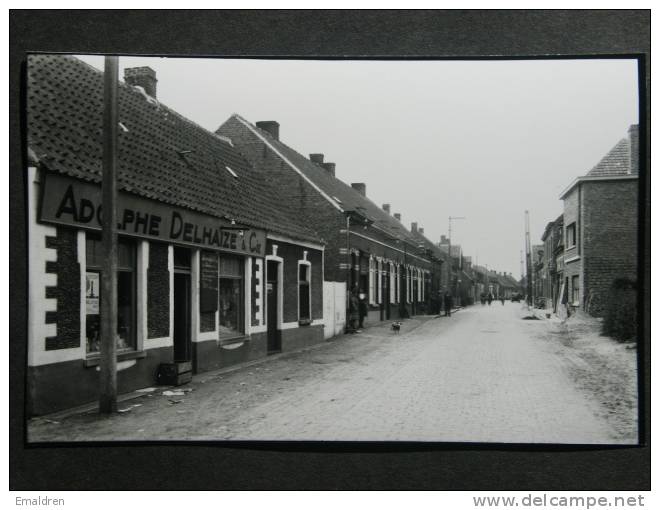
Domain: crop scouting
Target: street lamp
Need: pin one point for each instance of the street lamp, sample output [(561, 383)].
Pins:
[(450, 258)]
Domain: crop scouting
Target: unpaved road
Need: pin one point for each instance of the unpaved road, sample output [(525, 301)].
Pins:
[(483, 375)]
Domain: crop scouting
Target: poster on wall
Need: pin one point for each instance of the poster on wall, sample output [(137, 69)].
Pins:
[(92, 293)]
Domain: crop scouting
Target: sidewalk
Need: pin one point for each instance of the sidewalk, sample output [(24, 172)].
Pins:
[(124, 404)]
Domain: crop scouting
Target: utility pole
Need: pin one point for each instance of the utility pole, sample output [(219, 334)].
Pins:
[(528, 251), (108, 361), (450, 259)]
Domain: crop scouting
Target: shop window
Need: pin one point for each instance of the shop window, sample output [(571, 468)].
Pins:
[(571, 236), (230, 296), (126, 294), (304, 293), (575, 286)]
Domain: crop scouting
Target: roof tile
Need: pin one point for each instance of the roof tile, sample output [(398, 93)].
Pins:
[(162, 155)]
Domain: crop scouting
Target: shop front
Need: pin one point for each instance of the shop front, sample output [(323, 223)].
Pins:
[(191, 288)]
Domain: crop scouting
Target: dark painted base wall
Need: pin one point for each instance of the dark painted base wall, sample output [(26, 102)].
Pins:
[(65, 385), (70, 384)]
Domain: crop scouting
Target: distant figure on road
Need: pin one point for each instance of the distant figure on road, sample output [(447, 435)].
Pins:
[(490, 298), (483, 298), (448, 304), (502, 299)]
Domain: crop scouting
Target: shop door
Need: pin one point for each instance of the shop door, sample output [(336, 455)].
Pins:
[(182, 345), (274, 334)]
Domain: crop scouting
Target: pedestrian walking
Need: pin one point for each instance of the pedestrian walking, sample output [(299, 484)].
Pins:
[(353, 312), (502, 299), (362, 308), (448, 304), (490, 298)]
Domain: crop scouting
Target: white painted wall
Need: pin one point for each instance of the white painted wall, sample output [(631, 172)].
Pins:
[(38, 280), (334, 308)]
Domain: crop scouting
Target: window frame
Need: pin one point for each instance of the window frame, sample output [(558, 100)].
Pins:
[(240, 320), (571, 235), (305, 321), (121, 268), (575, 290)]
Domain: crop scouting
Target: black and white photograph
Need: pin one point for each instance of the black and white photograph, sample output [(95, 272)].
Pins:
[(329, 249), (351, 250)]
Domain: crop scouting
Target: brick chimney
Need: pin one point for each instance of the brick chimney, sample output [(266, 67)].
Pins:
[(360, 187), (397, 216), (316, 158), (271, 126), (144, 77), (413, 226), (386, 208), (443, 239), (420, 230), (330, 168), (633, 140)]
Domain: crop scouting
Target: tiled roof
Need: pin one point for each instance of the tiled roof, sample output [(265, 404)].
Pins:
[(161, 155), (349, 199), (616, 162)]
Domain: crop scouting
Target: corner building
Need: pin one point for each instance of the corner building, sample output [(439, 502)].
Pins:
[(212, 271)]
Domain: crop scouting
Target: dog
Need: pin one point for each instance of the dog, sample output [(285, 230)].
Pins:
[(396, 327)]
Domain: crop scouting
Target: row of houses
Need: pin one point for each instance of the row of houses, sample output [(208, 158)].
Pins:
[(232, 245), (593, 242)]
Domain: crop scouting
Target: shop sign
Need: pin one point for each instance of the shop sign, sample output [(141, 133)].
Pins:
[(67, 201), (92, 293)]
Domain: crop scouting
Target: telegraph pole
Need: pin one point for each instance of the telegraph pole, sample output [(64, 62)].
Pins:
[(450, 259), (108, 361), (528, 251)]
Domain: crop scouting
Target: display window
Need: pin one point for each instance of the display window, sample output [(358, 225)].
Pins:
[(126, 294), (230, 296)]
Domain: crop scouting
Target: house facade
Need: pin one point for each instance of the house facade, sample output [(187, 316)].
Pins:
[(211, 271), (368, 250), (600, 227)]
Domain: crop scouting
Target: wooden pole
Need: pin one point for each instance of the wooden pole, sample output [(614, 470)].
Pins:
[(108, 361)]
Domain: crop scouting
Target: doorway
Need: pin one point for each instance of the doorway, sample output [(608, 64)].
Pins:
[(182, 305), (272, 307)]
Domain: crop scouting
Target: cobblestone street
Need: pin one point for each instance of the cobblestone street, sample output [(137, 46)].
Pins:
[(484, 374)]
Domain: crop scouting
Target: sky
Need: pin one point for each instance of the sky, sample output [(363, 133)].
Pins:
[(484, 140)]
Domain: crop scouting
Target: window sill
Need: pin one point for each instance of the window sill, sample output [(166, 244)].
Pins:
[(305, 322), (222, 342), (95, 360)]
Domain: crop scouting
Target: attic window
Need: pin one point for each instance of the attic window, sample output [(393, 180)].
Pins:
[(233, 174)]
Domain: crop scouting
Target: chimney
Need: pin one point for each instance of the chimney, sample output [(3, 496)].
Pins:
[(144, 77), (633, 135), (397, 216), (316, 158), (386, 208), (273, 127), (413, 226), (443, 239), (420, 230), (360, 187), (330, 168)]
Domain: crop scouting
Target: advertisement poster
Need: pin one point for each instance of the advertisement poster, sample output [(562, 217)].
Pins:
[(92, 293)]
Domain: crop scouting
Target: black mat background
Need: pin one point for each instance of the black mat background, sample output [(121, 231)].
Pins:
[(330, 34)]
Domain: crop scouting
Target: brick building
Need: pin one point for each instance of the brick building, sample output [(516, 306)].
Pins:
[(553, 251), (367, 248), (211, 270), (600, 227)]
